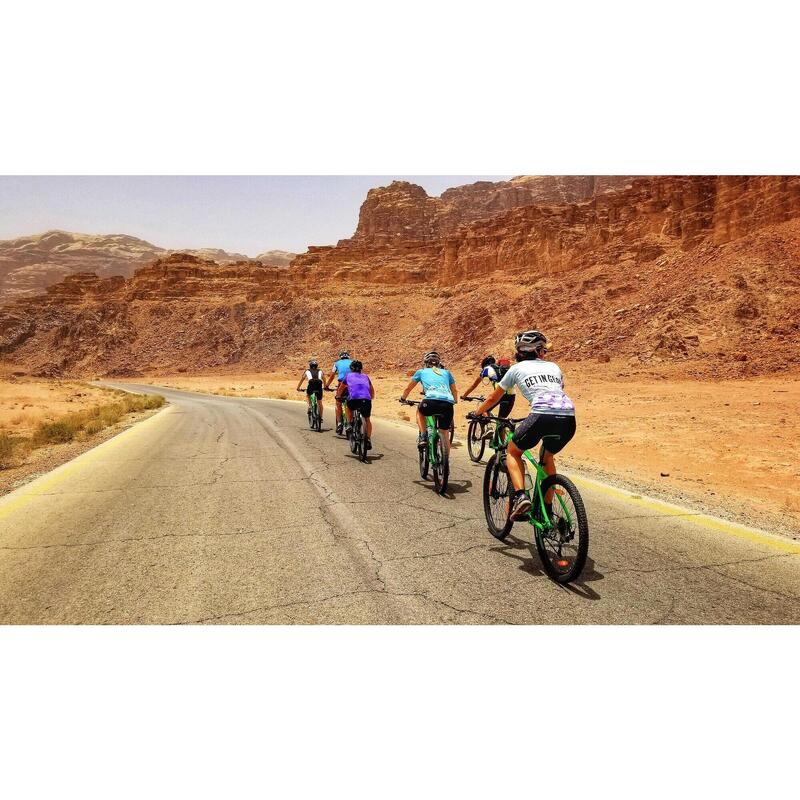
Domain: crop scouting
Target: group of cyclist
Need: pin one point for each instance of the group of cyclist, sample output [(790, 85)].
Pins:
[(551, 417)]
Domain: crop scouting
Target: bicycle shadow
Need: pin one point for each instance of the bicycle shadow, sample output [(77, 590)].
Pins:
[(453, 488), (370, 458), (532, 564)]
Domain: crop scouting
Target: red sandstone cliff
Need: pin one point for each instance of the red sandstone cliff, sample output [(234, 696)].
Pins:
[(704, 270)]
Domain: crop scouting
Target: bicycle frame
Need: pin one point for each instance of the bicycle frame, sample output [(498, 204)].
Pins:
[(433, 435), (537, 489)]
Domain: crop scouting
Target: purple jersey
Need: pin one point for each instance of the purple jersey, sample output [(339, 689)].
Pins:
[(358, 386)]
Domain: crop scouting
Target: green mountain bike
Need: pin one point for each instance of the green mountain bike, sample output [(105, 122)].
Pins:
[(561, 530), (435, 456), (314, 417), (358, 436)]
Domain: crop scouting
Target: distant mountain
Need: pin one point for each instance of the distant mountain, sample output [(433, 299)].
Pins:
[(275, 258), (30, 264)]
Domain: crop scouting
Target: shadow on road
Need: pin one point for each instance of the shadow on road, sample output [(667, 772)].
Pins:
[(514, 547), (453, 488), (370, 458)]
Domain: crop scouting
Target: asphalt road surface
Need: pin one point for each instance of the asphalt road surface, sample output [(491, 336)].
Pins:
[(230, 510)]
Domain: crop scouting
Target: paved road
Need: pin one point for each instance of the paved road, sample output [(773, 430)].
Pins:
[(229, 510)]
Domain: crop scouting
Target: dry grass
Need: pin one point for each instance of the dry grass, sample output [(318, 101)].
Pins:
[(81, 424)]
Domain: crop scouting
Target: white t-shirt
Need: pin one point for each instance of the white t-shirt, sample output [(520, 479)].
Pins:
[(542, 384), (310, 376)]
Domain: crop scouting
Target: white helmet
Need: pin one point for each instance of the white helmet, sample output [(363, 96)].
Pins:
[(431, 357), (530, 342)]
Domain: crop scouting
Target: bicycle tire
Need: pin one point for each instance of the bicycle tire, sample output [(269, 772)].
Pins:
[(476, 429), (441, 470), (452, 431), (362, 440), (318, 422), (572, 565), (424, 462), (355, 432), (496, 486)]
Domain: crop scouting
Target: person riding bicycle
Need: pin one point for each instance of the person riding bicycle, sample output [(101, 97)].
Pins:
[(315, 376), (551, 418), (493, 370), (360, 394), (339, 370), (439, 388)]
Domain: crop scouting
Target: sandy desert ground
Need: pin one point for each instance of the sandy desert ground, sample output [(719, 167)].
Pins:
[(729, 447)]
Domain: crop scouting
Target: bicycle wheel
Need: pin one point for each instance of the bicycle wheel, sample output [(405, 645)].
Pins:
[(475, 440), (497, 493), (564, 546), (441, 469), (424, 460), (317, 421), (362, 439), (355, 433), (310, 412), (452, 431)]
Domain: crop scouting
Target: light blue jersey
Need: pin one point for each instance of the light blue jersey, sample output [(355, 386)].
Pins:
[(435, 383), (342, 367)]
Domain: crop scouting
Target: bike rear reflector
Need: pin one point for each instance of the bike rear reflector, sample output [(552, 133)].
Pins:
[(562, 563)]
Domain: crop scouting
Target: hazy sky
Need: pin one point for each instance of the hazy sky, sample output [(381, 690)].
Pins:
[(243, 214)]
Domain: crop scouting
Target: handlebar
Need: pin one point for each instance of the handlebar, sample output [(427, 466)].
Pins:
[(475, 399), (408, 402)]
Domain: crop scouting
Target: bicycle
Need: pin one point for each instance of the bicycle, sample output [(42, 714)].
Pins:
[(435, 455), (314, 417), (476, 433), (561, 532), (358, 436)]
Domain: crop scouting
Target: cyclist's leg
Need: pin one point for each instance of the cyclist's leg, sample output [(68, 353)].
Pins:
[(444, 421), (366, 412), (516, 469), (421, 421)]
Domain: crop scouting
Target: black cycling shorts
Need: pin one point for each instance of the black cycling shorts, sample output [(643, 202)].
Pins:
[(438, 408), (555, 430), (314, 387), (504, 405), (364, 406)]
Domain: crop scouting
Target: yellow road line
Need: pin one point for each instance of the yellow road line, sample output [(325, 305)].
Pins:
[(697, 518), (20, 497)]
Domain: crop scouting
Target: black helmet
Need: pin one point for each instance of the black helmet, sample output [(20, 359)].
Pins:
[(488, 361), (313, 363), (356, 365), (431, 357), (344, 354), (530, 342)]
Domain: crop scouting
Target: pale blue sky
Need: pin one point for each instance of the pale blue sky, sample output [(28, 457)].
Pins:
[(243, 214)]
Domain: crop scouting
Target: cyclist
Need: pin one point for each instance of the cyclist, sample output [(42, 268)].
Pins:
[(439, 388), (315, 376), (551, 418), (360, 393), (339, 370), (494, 370)]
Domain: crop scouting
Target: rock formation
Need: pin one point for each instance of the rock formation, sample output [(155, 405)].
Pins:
[(704, 271), (30, 264)]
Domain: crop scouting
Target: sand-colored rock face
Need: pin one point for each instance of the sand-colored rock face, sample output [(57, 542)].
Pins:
[(702, 271), (30, 264)]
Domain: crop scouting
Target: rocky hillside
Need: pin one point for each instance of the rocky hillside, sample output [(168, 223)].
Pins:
[(703, 271), (30, 264)]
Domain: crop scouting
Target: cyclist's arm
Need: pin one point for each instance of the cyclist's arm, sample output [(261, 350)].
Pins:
[(330, 378), (371, 389), (302, 379), (473, 387), (495, 397), (410, 388), (454, 391)]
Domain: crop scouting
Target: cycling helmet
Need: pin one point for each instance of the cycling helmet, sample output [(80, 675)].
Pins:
[(344, 354), (356, 366), (313, 363), (431, 357), (488, 361), (530, 342)]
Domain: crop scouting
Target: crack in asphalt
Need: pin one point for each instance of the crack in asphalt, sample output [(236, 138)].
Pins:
[(310, 603)]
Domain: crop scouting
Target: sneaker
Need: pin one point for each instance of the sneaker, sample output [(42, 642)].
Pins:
[(422, 440), (369, 444), (520, 507), (338, 428)]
